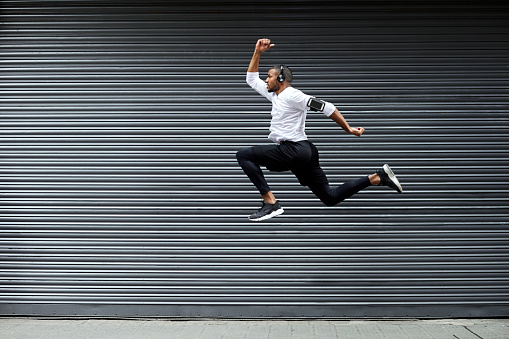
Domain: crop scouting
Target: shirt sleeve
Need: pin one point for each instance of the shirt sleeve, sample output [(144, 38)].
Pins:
[(329, 109), (254, 81), (300, 100)]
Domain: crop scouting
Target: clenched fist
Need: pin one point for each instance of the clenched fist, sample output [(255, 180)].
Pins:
[(263, 45)]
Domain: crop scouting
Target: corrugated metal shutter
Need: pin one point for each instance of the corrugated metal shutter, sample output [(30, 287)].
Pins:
[(121, 194)]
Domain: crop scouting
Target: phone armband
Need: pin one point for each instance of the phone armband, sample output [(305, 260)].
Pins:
[(316, 105)]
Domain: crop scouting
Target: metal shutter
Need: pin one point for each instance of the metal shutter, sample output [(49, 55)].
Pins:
[(121, 194)]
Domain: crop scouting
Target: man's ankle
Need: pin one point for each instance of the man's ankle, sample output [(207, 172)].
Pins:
[(374, 179), (269, 198)]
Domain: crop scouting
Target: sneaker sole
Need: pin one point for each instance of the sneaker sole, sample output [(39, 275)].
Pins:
[(268, 216), (393, 178)]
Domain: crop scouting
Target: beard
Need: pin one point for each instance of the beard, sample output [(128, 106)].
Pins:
[(274, 88)]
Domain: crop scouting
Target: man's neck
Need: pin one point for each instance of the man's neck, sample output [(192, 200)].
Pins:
[(282, 88)]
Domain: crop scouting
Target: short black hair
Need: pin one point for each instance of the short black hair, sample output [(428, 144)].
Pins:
[(287, 72)]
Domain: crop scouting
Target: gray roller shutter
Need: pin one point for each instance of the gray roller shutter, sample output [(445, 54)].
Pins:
[(121, 194)]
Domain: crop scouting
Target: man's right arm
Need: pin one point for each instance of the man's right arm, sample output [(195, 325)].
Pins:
[(262, 45), (255, 62), (252, 76)]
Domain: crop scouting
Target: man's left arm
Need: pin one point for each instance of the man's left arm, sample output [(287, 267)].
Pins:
[(341, 121), (304, 101), (332, 112)]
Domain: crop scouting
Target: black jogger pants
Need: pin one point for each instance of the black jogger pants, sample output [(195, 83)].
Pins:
[(302, 159)]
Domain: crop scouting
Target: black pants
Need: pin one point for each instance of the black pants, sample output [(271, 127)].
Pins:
[(303, 160)]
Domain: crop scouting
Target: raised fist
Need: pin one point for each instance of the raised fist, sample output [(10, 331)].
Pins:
[(263, 45)]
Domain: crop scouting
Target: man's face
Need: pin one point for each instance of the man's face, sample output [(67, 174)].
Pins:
[(272, 84)]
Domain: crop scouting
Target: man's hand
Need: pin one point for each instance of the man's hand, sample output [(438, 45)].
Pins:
[(357, 131), (340, 120), (263, 45)]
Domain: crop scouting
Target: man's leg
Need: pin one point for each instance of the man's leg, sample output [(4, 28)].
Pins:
[(314, 177), (332, 197), (250, 163)]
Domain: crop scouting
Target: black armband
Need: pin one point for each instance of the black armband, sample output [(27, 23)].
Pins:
[(316, 105)]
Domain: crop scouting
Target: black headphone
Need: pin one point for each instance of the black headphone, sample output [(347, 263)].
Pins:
[(281, 76)]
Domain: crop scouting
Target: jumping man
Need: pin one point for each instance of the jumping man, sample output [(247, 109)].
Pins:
[(291, 150)]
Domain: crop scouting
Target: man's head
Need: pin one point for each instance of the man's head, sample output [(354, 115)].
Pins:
[(279, 76)]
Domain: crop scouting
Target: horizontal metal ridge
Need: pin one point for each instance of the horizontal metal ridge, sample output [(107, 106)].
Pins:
[(120, 188)]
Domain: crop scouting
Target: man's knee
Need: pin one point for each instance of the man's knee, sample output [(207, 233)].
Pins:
[(241, 154), (329, 201), (244, 155), (325, 195)]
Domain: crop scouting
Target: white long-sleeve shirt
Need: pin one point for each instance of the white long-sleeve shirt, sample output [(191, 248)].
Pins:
[(289, 110)]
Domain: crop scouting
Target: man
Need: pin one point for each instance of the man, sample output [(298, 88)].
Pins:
[(292, 151)]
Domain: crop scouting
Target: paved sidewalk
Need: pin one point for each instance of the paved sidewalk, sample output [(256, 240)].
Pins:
[(33, 328)]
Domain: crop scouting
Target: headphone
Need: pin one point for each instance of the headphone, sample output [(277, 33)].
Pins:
[(281, 76)]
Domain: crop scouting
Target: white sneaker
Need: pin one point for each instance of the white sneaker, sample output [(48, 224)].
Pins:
[(388, 178)]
